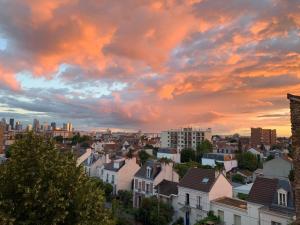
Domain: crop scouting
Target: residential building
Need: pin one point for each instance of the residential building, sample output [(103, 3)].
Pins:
[(226, 147), (256, 152), (278, 168), (67, 126), (270, 202), (149, 176), (197, 189), (53, 125), (94, 162), (184, 138), (169, 153), (227, 160), (119, 173), (261, 136)]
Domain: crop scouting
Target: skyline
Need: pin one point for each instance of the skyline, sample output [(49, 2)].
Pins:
[(150, 65)]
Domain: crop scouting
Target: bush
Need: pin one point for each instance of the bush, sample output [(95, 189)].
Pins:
[(188, 155), (238, 178)]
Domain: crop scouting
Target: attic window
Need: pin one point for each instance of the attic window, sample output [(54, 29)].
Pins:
[(282, 197), (205, 180), (148, 172)]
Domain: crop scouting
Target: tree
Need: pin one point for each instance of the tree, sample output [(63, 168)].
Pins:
[(182, 168), (144, 156), (59, 139), (125, 198), (247, 160), (205, 147), (150, 214), (106, 187), (187, 155), (41, 185), (238, 178)]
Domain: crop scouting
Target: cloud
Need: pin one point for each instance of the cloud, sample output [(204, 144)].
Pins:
[(150, 64)]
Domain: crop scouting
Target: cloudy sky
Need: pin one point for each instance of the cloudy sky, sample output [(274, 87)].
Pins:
[(150, 65)]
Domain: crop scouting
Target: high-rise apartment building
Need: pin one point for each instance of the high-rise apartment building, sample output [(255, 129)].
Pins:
[(53, 126), (11, 123), (184, 138), (2, 130), (18, 126), (36, 125), (261, 136), (67, 126)]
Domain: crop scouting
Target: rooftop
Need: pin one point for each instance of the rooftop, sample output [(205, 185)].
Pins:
[(198, 179), (167, 188), (167, 150), (232, 202)]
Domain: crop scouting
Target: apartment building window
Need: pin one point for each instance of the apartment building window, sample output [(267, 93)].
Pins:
[(199, 202), (148, 172), (107, 177), (140, 186), (187, 199), (147, 188), (221, 215), (237, 220)]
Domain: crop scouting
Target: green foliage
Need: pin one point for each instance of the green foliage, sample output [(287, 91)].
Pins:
[(144, 156), (150, 214), (41, 185), (182, 168), (247, 160), (210, 217), (78, 139), (8, 152), (180, 221), (238, 178), (205, 147), (125, 198), (187, 155), (242, 196), (106, 187), (59, 139)]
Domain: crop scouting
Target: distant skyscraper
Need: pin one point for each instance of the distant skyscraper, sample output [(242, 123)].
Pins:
[(36, 125), (18, 126), (261, 136), (53, 125), (11, 123), (67, 126), (29, 127), (2, 129)]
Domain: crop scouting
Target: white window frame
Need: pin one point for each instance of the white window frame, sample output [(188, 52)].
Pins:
[(282, 197)]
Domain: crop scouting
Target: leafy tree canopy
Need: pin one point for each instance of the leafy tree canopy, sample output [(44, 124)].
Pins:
[(41, 185), (144, 156), (247, 160), (187, 155)]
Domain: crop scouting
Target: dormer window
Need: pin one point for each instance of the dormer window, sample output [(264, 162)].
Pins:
[(148, 172), (282, 197)]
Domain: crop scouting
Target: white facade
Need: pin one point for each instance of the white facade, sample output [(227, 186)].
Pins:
[(184, 138), (228, 165), (174, 157), (199, 203)]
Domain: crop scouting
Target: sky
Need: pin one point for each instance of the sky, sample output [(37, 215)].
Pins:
[(150, 65)]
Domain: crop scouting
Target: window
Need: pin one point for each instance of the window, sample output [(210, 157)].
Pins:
[(107, 177), (275, 223), (199, 202), (147, 188), (237, 220), (187, 199), (221, 215), (112, 179), (140, 186), (148, 172), (282, 197)]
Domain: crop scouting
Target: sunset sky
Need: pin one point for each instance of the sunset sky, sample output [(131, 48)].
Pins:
[(150, 65)]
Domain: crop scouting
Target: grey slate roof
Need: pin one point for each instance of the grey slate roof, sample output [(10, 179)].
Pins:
[(155, 169), (264, 192), (198, 179), (110, 166), (167, 150), (167, 188)]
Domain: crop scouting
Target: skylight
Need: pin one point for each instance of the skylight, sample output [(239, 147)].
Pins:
[(205, 180)]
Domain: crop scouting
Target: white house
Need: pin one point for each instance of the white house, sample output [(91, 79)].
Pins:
[(256, 152), (212, 159), (149, 176), (197, 189), (270, 202), (169, 153), (94, 162), (119, 173)]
